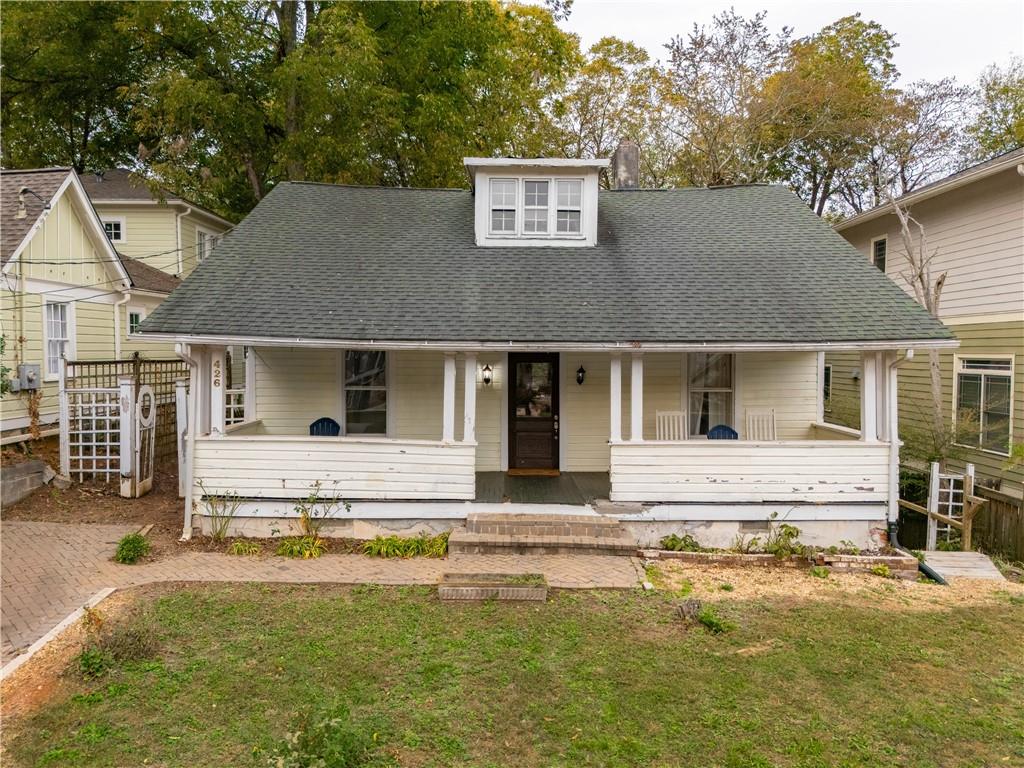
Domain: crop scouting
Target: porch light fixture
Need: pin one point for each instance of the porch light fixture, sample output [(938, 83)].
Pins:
[(488, 375), (581, 374)]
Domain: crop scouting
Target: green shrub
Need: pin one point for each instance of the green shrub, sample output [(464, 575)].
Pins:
[(819, 571), (108, 643), (412, 546), (782, 540), (306, 547), (684, 543), (334, 741), (244, 547), (882, 570), (131, 548), (94, 661), (714, 623), (951, 545), (726, 587)]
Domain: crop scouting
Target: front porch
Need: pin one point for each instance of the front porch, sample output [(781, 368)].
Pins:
[(440, 429)]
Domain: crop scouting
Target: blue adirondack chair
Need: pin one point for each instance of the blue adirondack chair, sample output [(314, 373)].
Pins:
[(325, 426), (723, 432)]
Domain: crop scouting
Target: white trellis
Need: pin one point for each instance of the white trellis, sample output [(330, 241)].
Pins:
[(946, 493), (91, 421)]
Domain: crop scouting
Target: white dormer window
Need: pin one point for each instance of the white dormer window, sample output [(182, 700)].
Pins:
[(503, 206), (535, 201)]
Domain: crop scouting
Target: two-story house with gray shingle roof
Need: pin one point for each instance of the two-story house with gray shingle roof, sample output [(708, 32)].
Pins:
[(535, 344)]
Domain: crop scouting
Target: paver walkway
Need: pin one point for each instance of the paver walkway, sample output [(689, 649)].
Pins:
[(50, 569)]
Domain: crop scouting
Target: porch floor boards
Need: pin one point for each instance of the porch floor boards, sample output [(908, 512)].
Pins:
[(577, 488)]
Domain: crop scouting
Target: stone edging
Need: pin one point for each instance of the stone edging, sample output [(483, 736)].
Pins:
[(900, 565)]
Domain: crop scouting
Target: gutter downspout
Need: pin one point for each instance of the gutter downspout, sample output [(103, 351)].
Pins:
[(177, 239), (894, 468), (117, 324), (184, 352)]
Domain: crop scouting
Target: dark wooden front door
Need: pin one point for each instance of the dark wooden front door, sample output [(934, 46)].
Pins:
[(533, 411)]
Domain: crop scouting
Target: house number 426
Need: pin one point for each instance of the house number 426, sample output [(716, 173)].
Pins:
[(217, 373)]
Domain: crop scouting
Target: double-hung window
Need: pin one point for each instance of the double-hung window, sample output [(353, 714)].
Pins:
[(58, 335), (535, 207), (569, 215), (135, 317), (878, 252), (984, 389), (366, 392), (503, 206), (205, 242), (711, 391)]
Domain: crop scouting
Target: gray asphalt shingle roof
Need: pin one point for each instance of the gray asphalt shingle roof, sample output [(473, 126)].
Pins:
[(737, 264), (44, 182)]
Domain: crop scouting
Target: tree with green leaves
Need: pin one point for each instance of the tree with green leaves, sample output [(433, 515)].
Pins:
[(64, 85), (999, 125)]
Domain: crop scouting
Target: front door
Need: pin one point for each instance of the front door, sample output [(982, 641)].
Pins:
[(533, 411)]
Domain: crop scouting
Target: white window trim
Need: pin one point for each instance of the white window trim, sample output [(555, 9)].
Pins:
[(129, 311), (118, 220), (520, 209), (389, 416), (210, 234), (733, 390), (958, 369), (71, 351), (871, 252)]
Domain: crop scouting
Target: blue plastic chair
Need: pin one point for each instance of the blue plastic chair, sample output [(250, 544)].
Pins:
[(723, 432), (325, 427)]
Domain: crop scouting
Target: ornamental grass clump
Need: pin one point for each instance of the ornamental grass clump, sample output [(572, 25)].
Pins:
[(412, 546)]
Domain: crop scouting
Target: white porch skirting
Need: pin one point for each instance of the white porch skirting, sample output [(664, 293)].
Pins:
[(278, 467), (813, 471)]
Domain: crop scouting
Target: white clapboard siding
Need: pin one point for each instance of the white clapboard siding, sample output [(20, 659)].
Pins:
[(278, 467), (815, 471)]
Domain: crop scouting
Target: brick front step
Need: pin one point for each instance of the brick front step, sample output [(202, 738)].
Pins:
[(573, 526)]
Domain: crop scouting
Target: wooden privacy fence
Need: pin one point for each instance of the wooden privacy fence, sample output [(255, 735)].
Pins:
[(999, 526), (91, 409)]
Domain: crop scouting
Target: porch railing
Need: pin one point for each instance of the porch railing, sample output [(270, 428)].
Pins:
[(806, 471)]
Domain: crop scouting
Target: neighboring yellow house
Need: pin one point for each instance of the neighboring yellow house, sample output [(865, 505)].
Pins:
[(974, 223), (66, 291)]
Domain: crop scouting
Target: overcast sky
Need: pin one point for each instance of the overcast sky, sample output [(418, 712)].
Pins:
[(936, 39)]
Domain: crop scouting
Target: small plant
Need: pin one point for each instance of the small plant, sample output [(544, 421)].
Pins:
[(313, 510), (949, 545), (305, 547), (334, 741), (726, 587), (744, 546), (684, 543), (131, 548), (108, 643), (714, 623), (819, 571), (221, 510), (782, 539), (245, 547), (882, 570), (401, 546), (93, 662)]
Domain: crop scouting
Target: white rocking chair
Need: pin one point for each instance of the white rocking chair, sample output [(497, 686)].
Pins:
[(761, 425), (670, 425)]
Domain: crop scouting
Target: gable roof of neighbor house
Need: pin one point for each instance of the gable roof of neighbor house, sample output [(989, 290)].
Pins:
[(739, 264), (46, 183), (968, 175), (120, 185)]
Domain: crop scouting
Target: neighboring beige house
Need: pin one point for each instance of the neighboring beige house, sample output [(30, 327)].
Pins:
[(430, 353), (66, 291), (974, 222)]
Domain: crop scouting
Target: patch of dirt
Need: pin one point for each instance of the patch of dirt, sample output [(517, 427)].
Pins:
[(797, 584), (46, 448)]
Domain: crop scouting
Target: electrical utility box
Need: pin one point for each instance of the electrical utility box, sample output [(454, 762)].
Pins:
[(29, 377)]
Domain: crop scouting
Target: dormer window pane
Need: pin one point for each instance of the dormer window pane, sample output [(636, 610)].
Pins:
[(503, 205), (535, 207), (536, 194), (569, 213)]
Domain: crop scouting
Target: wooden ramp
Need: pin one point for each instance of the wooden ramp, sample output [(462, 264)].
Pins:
[(962, 565)]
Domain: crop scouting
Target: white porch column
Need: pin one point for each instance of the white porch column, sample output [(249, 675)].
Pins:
[(893, 435), (615, 399), (636, 399), (469, 400), (249, 403), (869, 398), (882, 400), (217, 386), (448, 407)]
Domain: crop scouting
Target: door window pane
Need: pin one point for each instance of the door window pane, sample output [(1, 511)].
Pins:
[(533, 389)]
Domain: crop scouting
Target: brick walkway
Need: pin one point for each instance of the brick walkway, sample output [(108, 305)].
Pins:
[(50, 569)]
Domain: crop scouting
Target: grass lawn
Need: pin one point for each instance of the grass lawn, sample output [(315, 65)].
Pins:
[(876, 677)]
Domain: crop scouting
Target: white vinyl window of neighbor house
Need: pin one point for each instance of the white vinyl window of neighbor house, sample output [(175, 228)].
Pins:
[(135, 318), (205, 242), (984, 396), (366, 392), (879, 246), (711, 391), (57, 334), (114, 228), (503, 206)]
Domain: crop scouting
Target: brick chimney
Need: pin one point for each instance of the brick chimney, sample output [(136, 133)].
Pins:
[(625, 170)]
